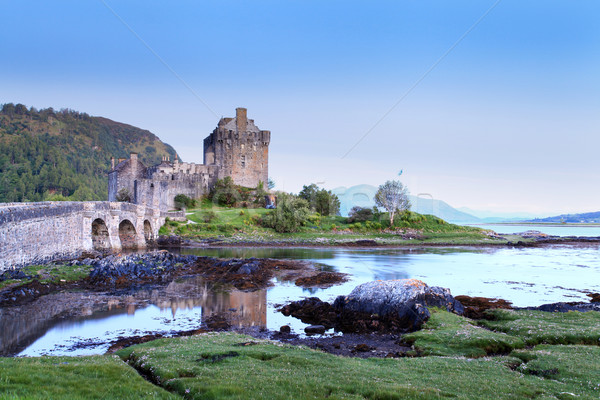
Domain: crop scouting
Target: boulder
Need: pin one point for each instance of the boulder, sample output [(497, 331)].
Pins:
[(475, 307), (402, 301), (594, 297), (315, 330), (249, 268)]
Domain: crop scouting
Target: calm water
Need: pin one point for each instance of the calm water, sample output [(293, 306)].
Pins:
[(81, 323), (553, 230)]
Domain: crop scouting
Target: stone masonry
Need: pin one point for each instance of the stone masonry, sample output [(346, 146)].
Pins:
[(39, 232), (236, 148)]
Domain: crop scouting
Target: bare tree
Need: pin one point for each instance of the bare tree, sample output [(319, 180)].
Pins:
[(393, 196)]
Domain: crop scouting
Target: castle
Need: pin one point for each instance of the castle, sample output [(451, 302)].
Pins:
[(236, 148)]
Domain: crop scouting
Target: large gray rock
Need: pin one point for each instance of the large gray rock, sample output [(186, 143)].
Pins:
[(402, 301)]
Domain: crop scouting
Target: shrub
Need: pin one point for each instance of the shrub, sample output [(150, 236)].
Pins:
[(291, 213), (256, 220), (369, 225), (208, 216), (226, 228), (411, 217), (315, 219), (354, 227), (182, 202)]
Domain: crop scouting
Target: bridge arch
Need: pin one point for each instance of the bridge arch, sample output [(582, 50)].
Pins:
[(127, 235), (92, 225), (100, 235), (148, 233)]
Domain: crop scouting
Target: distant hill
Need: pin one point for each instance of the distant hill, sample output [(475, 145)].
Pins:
[(52, 155), (591, 217), (363, 196), (487, 216)]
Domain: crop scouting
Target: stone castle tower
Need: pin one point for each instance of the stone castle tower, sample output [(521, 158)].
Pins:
[(240, 149), (236, 148)]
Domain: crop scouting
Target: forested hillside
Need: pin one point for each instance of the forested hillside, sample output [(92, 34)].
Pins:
[(56, 155)]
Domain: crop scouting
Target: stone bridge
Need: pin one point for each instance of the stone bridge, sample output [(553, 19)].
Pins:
[(39, 232)]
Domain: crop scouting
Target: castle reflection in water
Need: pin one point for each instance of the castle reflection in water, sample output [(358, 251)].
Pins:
[(22, 325)]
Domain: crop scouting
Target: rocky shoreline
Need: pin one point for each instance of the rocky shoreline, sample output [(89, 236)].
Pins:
[(368, 322), (525, 241), (122, 271), (364, 334)]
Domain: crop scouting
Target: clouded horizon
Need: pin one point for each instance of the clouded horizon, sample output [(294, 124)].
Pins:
[(506, 121)]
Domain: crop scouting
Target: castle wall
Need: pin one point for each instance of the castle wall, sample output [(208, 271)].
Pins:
[(165, 181), (236, 148), (241, 150), (125, 176)]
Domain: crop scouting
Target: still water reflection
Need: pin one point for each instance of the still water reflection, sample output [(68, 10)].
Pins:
[(82, 323)]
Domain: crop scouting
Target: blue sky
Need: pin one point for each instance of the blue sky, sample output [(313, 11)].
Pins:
[(507, 121)]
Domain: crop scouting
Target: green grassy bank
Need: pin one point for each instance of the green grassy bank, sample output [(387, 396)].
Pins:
[(242, 225), (50, 273), (528, 355)]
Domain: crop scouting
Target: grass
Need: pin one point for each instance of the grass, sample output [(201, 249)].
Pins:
[(232, 366), (447, 334), (97, 377), (576, 366), (536, 327), (51, 273), (243, 225)]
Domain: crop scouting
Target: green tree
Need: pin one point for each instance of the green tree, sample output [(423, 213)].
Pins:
[(225, 192), (20, 109), (326, 203), (82, 193), (64, 153), (393, 197), (259, 194), (271, 184), (309, 193)]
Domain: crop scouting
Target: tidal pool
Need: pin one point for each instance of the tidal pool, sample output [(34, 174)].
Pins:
[(84, 322)]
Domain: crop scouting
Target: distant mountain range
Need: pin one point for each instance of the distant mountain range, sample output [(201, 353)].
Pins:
[(363, 196), (591, 217), (487, 216)]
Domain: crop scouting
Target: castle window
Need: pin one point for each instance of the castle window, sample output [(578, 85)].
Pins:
[(243, 161), (242, 146), (152, 185)]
